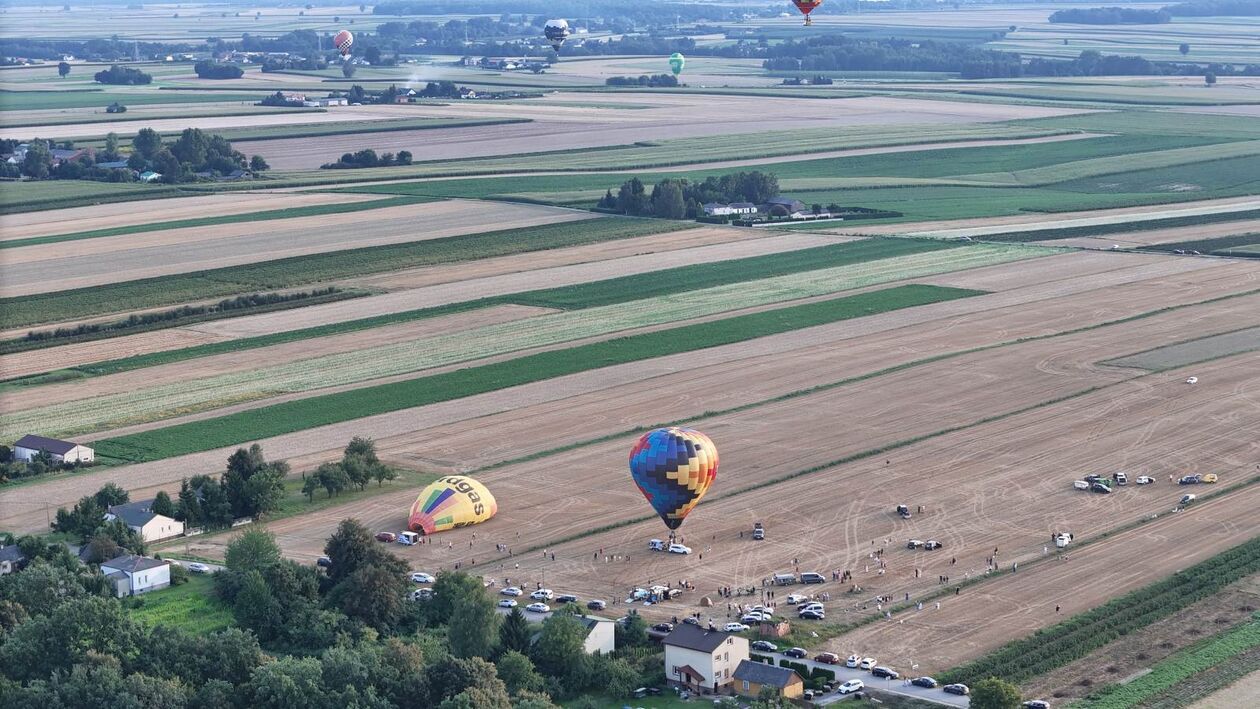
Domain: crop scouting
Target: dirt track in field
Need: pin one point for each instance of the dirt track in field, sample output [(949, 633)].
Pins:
[(44, 268), (1133, 283), (108, 216)]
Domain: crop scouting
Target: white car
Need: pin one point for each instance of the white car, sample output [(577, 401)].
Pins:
[(512, 591), (795, 598), (1192, 380), (753, 618), (538, 608), (853, 685), (542, 594), (734, 627), (507, 603), (421, 577), (1144, 480), (815, 606), (679, 549), (867, 663), (198, 568), (852, 661)]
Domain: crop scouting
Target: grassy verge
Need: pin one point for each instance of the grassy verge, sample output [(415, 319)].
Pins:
[(1143, 225), (1081, 634), (344, 406), (312, 130), (1188, 675), (68, 305), (264, 216), (191, 607)]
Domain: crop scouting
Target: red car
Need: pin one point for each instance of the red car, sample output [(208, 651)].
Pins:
[(828, 658), (386, 537)]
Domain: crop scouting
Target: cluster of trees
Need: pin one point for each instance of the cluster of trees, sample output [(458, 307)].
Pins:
[(655, 80), (1110, 16), (122, 75), (358, 466), (86, 523), (682, 198), (816, 80), (840, 53), (310, 62), (208, 69), (194, 151), (13, 469), (1215, 8), (368, 158), (250, 487), (95, 50)]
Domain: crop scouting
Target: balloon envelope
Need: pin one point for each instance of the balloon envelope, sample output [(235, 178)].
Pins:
[(343, 40), (451, 502), (673, 468), (556, 31), (677, 62), (806, 7)]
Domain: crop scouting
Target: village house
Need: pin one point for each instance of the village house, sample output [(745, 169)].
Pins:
[(702, 660), (600, 637), (751, 676), (133, 575), (141, 519), (11, 559), (30, 446)]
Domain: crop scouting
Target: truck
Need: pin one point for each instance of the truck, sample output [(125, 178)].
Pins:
[(759, 532)]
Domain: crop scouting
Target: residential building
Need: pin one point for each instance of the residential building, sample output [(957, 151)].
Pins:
[(784, 206), (743, 208), (334, 101), (11, 559), (702, 660), (133, 575), (150, 176), (600, 635), (717, 209), (30, 446), (142, 520), (751, 676)]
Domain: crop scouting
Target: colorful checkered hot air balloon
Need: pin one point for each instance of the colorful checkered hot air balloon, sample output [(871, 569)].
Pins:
[(673, 468), (806, 7), (451, 502), (343, 40)]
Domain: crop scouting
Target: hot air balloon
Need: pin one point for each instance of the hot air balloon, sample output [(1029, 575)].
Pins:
[(451, 502), (677, 62), (673, 468), (806, 7), (556, 32), (343, 40)]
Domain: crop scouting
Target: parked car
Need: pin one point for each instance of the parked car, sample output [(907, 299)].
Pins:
[(764, 646), (596, 605), (852, 661), (1187, 499), (422, 577), (811, 577), (1101, 488), (927, 682), (795, 598), (904, 511), (811, 606), (566, 598), (324, 562), (867, 663), (512, 591), (853, 685), (827, 658), (197, 568), (1094, 478), (796, 652), (1188, 480), (1062, 539), (1121, 479), (656, 545), (1081, 484), (812, 615), (1036, 704), (421, 594), (753, 618), (507, 603), (1144, 480), (663, 627), (679, 549), (542, 594), (885, 672), (734, 627), (1208, 478), (408, 538), (759, 532), (959, 689), (691, 620), (933, 545), (386, 537), (914, 544), (538, 608)]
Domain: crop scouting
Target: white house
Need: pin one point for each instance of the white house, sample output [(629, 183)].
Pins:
[(717, 209), (11, 559), (743, 208), (144, 521), (599, 635), (132, 575), (702, 660), (61, 451)]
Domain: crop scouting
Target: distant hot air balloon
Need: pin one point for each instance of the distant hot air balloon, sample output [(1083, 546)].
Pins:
[(677, 62), (806, 7), (451, 502), (673, 468), (556, 32), (343, 40)]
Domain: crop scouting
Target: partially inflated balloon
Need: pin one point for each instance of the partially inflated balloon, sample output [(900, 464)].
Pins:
[(451, 502), (343, 40), (677, 62), (673, 468)]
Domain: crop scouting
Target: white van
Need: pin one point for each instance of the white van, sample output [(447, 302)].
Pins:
[(656, 545), (408, 538), (784, 579)]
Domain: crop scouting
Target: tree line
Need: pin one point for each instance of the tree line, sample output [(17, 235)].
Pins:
[(679, 198), (1110, 16), (1215, 8), (122, 76), (368, 158), (654, 81)]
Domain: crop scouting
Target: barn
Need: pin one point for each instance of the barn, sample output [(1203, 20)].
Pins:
[(30, 446)]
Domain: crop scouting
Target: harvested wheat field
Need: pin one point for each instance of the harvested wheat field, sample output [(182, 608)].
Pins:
[(111, 216), (40, 269)]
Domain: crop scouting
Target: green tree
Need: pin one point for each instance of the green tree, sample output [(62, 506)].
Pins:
[(102, 548), (473, 627), (347, 69), (147, 143), (309, 486), (632, 199), (350, 548), (63, 69), (111, 146), (667, 200), (75, 631), (559, 652), (619, 677), (255, 608), (258, 164), (1183, 48), (1208, 78), (286, 683), (255, 550), (111, 494), (518, 673), (358, 471), (162, 505), (373, 55), (514, 633), (382, 472), (215, 505), (373, 594), (166, 164), (332, 477), (633, 632), (533, 700), (449, 587), (38, 161), (993, 693)]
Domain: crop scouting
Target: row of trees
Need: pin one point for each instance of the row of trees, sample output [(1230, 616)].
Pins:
[(251, 486), (655, 80), (122, 75), (208, 69), (681, 198), (1110, 16), (368, 158), (358, 466), (1215, 8)]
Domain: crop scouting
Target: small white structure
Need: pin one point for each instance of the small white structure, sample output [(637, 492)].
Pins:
[(600, 637), (743, 208), (702, 660), (334, 101), (11, 559), (142, 520), (1062, 539), (61, 451), (717, 209), (133, 575), (1192, 380)]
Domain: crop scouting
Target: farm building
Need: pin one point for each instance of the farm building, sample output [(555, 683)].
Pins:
[(61, 451), (142, 520), (751, 676), (133, 575), (11, 559), (702, 660)]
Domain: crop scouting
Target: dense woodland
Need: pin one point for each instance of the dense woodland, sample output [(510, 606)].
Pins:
[(1110, 16), (1215, 8)]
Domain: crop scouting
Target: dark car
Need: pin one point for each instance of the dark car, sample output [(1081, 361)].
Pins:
[(884, 672), (827, 658), (904, 511), (933, 545), (386, 537), (663, 627), (959, 689), (812, 615), (566, 598), (797, 652), (596, 605), (1093, 478), (764, 646), (927, 682), (1100, 487), (692, 620), (1190, 480), (1036, 704), (324, 561)]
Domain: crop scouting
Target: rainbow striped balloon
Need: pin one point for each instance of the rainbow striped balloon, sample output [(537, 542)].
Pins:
[(451, 502), (674, 468)]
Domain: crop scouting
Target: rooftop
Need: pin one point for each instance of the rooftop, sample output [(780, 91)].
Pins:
[(39, 443), (761, 673), (693, 637), (131, 563)]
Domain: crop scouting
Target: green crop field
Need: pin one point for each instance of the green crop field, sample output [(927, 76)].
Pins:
[(333, 408), (283, 273), (1157, 123), (1181, 159), (624, 311), (133, 121), (312, 130), (46, 100), (191, 607), (1206, 245), (56, 194), (1219, 178), (1246, 245)]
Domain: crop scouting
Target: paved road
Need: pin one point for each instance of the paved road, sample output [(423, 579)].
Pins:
[(844, 674)]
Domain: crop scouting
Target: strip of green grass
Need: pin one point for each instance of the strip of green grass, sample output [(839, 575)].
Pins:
[(1233, 245), (60, 306), (191, 607), (268, 215), (582, 295), (344, 406), (1127, 227), (45, 100), (33, 196)]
